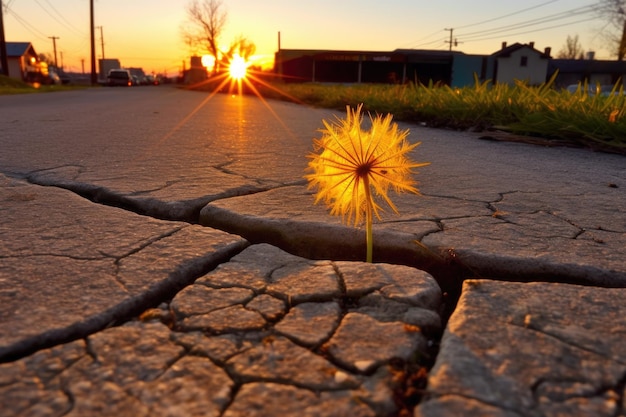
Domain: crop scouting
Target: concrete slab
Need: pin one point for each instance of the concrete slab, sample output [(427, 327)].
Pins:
[(531, 349), (153, 164), (343, 357), (71, 267)]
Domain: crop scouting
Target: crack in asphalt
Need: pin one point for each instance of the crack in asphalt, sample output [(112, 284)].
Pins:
[(447, 267), (530, 325), (335, 242), (182, 276)]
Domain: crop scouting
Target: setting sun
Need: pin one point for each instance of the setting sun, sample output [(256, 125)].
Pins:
[(238, 67)]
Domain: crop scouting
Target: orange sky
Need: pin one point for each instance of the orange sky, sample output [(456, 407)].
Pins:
[(146, 33)]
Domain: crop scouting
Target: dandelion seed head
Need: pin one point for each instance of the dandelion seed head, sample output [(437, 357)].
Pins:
[(352, 168)]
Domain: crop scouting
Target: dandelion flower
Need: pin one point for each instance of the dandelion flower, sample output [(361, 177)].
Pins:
[(355, 169)]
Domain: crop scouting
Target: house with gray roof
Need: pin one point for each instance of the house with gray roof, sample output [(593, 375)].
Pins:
[(22, 59)]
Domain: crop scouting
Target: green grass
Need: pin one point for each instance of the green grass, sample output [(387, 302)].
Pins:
[(555, 116)]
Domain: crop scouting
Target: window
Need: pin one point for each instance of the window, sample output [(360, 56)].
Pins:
[(523, 61)]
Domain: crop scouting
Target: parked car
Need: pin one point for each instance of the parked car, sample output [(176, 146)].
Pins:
[(119, 77), (591, 89)]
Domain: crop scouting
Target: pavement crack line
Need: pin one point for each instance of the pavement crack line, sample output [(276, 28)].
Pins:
[(182, 276), (137, 250), (276, 232), (183, 210), (530, 326), (147, 243), (56, 255)]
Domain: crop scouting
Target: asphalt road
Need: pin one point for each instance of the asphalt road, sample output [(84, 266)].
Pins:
[(153, 134), (167, 153)]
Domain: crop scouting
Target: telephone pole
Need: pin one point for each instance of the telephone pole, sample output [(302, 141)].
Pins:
[(94, 76), (101, 40), (450, 41), (4, 62), (54, 46)]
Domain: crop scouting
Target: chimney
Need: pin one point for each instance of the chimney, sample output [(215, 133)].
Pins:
[(590, 55), (531, 44), (547, 51), (504, 45)]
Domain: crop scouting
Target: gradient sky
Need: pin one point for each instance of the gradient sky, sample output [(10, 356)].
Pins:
[(147, 33)]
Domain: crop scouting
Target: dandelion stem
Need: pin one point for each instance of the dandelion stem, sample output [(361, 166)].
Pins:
[(369, 238)]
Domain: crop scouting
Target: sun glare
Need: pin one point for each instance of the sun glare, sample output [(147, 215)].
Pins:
[(238, 68), (241, 77)]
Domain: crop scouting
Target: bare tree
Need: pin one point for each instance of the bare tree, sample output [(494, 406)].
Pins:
[(572, 49), (207, 20), (241, 46), (615, 13), (47, 58)]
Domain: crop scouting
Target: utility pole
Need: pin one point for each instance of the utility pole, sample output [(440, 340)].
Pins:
[(450, 41), (4, 62), (278, 66), (82, 63), (101, 40), (94, 76), (54, 46)]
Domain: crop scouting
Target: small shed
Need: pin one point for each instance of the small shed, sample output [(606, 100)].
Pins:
[(520, 62), (22, 60)]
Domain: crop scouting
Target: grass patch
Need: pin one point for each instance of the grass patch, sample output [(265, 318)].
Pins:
[(10, 85), (542, 114)]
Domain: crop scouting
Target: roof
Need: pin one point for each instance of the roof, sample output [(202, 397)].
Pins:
[(397, 55), (507, 51), (19, 48), (432, 52)]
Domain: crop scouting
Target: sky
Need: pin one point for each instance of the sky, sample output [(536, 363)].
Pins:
[(147, 33)]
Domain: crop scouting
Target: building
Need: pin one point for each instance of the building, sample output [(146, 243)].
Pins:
[(197, 73), (399, 66), (453, 68), (520, 62), (22, 60), (106, 65), (574, 71)]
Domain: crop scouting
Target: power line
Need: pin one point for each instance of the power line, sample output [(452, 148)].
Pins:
[(30, 28), (532, 31), (437, 32), (507, 15), (67, 24), (534, 22), (531, 22)]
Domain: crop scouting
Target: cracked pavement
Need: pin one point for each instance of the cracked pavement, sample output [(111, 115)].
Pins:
[(153, 263)]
